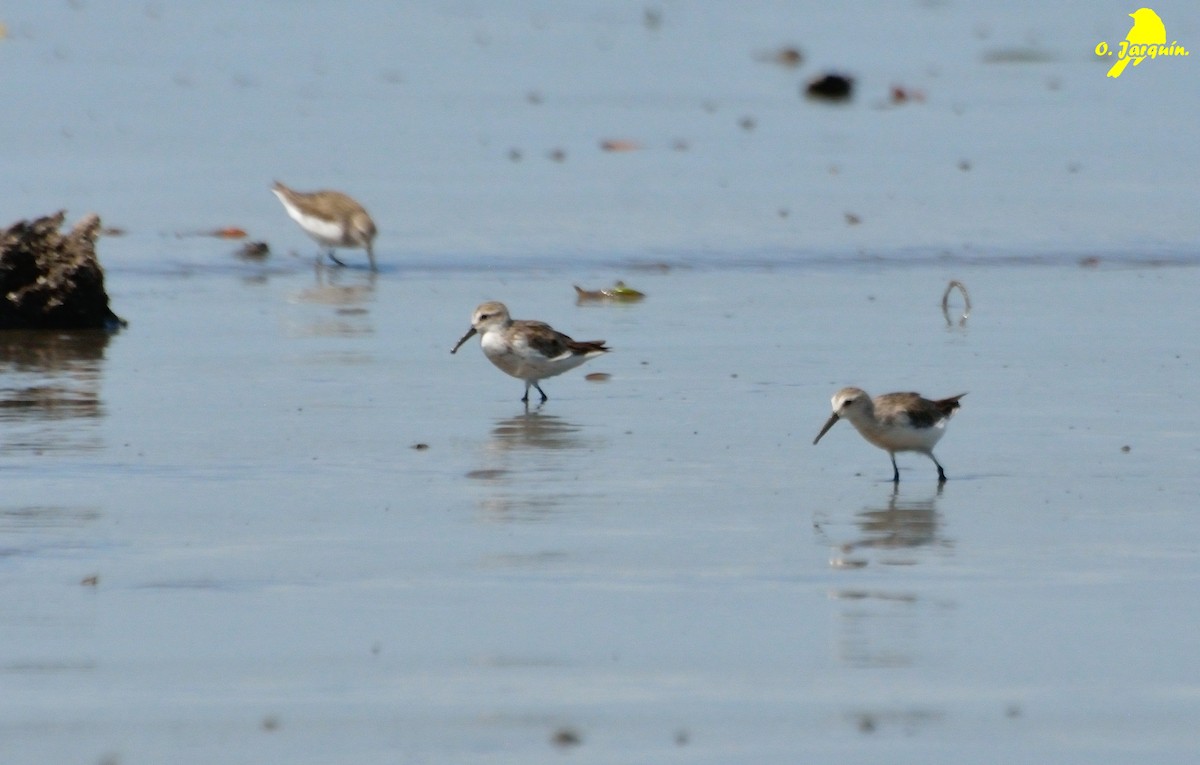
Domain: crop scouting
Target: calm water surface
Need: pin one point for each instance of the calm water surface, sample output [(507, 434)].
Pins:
[(658, 558), (275, 520)]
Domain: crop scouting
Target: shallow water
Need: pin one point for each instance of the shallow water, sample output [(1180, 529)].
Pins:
[(220, 541), (281, 574)]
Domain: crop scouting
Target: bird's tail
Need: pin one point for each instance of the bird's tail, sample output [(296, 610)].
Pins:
[(947, 405), (584, 347)]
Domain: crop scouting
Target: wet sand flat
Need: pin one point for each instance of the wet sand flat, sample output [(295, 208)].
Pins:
[(660, 556)]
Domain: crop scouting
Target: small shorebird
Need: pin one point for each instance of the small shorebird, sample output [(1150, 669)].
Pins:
[(331, 218), (895, 422), (528, 350)]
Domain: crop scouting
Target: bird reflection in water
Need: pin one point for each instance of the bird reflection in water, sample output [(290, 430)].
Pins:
[(534, 430), (347, 294), (529, 464), (886, 626), (902, 524), (898, 525)]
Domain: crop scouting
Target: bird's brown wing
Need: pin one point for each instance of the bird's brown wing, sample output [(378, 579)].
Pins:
[(551, 343), (920, 412), (323, 204), (543, 338)]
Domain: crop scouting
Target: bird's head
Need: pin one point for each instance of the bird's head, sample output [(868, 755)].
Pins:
[(847, 402)]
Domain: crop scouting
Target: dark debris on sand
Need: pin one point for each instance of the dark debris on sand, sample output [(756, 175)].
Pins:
[(51, 280), (830, 87)]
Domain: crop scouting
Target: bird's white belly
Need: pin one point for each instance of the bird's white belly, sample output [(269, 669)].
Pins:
[(523, 362), (904, 438), (328, 233)]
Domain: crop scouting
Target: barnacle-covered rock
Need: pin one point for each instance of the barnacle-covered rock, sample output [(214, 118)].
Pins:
[(51, 280)]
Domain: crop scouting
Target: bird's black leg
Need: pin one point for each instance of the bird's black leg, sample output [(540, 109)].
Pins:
[(334, 258), (525, 398), (941, 473), (895, 470), (545, 398)]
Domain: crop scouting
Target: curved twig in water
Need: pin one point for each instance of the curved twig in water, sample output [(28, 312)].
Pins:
[(946, 302)]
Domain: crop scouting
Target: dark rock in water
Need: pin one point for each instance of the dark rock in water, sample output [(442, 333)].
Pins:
[(830, 87), (254, 251), (50, 280)]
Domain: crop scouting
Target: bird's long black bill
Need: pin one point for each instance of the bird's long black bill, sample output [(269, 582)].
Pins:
[(828, 424), (465, 338)]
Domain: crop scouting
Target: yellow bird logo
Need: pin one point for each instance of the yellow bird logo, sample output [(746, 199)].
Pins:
[(1147, 29)]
